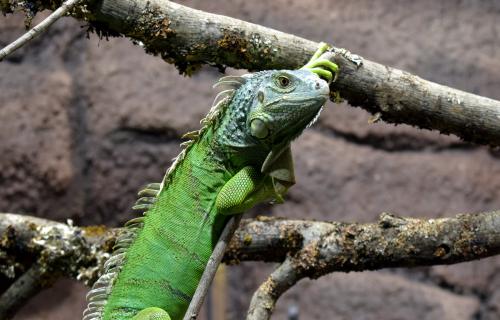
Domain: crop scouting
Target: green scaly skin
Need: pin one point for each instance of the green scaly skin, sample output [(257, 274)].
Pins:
[(240, 158)]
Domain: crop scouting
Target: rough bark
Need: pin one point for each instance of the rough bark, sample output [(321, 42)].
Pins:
[(316, 247), (35, 252), (24, 288), (77, 252), (329, 246), (265, 298), (189, 38), (309, 248)]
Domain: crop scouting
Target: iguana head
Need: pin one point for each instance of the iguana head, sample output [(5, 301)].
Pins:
[(284, 104), (267, 110)]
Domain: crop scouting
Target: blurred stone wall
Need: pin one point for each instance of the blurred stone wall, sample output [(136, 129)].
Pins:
[(85, 122)]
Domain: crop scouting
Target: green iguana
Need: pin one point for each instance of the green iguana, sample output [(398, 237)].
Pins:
[(241, 156)]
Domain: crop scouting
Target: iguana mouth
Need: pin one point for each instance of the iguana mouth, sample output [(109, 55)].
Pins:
[(306, 100), (304, 105)]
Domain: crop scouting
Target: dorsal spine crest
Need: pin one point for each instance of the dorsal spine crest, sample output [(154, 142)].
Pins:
[(98, 295)]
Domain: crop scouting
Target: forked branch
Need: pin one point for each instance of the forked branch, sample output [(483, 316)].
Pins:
[(309, 248), (327, 247)]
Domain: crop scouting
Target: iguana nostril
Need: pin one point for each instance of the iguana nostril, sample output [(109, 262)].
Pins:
[(318, 86)]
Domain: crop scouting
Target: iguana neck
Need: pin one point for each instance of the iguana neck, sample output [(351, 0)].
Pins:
[(231, 139)]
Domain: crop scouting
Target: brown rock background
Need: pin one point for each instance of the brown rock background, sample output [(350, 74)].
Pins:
[(85, 122)]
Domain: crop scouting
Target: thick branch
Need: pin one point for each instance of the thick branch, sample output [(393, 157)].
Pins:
[(323, 247), (189, 38), (393, 242), (316, 247), (309, 248), (77, 252)]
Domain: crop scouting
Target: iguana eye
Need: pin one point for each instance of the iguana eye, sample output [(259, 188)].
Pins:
[(259, 129), (283, 81)]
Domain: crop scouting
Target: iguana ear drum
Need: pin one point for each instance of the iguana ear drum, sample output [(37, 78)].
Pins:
[(259, 129)]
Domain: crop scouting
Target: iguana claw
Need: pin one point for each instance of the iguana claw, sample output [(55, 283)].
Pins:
[(324, 68)]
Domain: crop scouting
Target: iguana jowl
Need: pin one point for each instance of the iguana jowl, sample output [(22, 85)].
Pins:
[(241, 156)]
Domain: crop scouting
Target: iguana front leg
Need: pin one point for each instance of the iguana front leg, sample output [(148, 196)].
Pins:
[(250, 186), (244, 190), (152, 313)]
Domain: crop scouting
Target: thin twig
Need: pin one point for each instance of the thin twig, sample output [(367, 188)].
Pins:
[(38, 29), (211, 268), (26, 286), (264, 299)]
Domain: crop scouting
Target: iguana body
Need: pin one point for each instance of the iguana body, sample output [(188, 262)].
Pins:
[(239, 158)]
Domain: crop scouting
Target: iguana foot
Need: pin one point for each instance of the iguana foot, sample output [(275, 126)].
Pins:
[(152, 313), (324, 68), (238, 194), (250, 186)]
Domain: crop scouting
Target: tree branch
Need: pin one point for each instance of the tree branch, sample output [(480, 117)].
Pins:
[(38, 29), (317, 247), (266, 296), (77, 252), (327, 247), (189, 38), (309, 248), (24, 288), (211, 268), (323, 247)]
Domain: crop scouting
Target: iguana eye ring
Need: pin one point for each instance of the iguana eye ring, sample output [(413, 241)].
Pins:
[(259, 129), (283, 81)]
